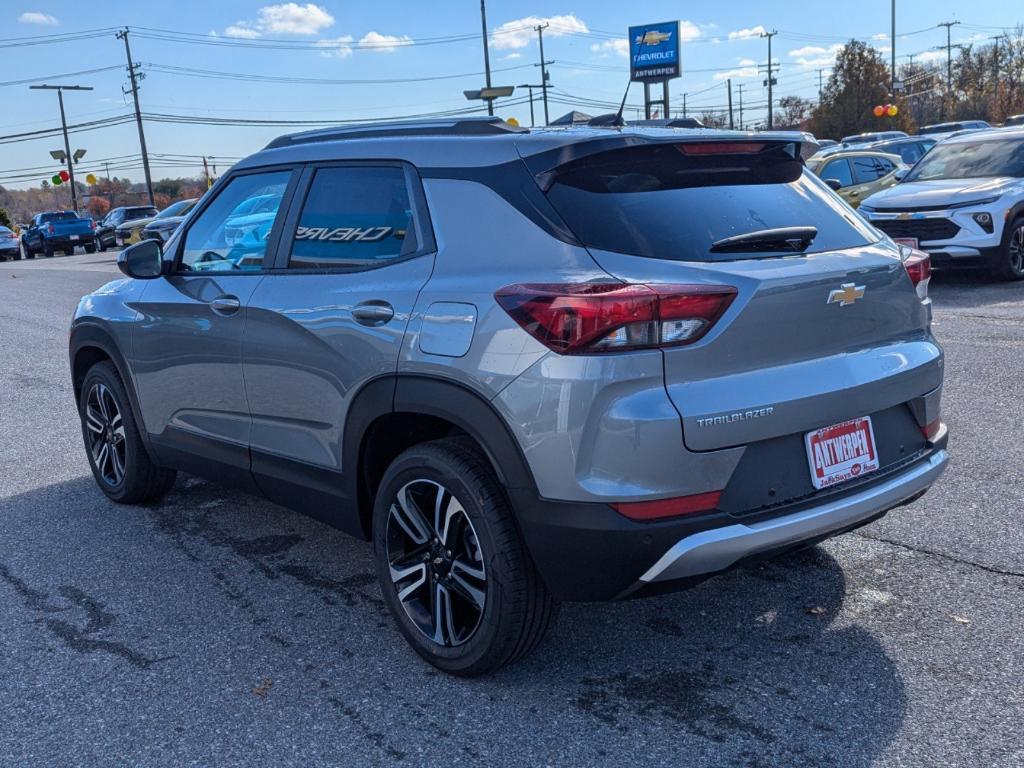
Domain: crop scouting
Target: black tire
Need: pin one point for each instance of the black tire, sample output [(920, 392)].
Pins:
[(139, 480), (516, 607), (29, 253), (47, 250), (90, 247), (1008, 262), (100, 245)]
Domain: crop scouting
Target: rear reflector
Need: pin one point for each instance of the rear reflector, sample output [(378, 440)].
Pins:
[(662, 508), (919, 268), (612, 317), (931, 429)]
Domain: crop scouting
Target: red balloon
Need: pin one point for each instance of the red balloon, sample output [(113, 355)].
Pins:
[(879, 111), (64, 176)]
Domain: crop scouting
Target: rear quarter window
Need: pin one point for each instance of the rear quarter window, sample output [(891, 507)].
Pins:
[(658, 202)]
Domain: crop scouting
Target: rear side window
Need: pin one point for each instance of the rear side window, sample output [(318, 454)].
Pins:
[(672, 201), (354, 217)]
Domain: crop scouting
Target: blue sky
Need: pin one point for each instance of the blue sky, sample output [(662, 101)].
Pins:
[(385, 39)]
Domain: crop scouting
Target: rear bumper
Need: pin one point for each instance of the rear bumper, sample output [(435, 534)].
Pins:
[(717, 549), (587, 551)]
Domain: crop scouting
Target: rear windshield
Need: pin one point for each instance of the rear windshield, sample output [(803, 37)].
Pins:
[(61, 216), (139, 213), (658, 202)]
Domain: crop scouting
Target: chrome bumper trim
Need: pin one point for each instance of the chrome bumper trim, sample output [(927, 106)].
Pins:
[(719, 548)]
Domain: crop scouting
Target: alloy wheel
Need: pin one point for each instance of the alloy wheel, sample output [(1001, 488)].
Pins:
[(105, 427), (436, 562), (1016, 250)]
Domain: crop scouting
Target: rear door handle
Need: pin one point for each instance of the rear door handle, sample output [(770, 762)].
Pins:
[(225, 305), (373, 313)]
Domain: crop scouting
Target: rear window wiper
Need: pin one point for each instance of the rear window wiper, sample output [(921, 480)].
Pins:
[(795, 239)]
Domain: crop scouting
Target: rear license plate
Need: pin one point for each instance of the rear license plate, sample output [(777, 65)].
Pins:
[(841, 452), (74, 237), (911, 241)]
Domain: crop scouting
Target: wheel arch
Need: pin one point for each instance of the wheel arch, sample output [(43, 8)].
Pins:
[(90, 344), (390, 415)]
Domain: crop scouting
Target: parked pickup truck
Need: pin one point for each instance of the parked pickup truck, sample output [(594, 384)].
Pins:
[(58, 231)]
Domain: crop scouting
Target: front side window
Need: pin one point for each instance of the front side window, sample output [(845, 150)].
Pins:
[(840, 171), (232, 232), (354, 218)]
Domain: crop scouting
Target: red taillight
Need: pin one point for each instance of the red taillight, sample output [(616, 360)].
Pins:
[(931, 429), (92, 224), (661, 508), (919, 268), (609, 317)]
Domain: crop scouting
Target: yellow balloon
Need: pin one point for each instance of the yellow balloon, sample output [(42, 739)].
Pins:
[(90, 179), (513, 122), (893, 111)]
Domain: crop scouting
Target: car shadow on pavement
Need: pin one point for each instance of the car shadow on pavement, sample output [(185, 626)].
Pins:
[(250, 603)]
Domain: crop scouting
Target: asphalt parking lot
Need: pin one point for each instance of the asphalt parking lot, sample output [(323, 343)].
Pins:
[(218, 629)]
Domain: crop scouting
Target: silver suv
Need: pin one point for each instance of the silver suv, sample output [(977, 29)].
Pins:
[(531, 366)]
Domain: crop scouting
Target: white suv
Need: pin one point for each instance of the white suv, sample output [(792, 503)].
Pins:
[(963, 203)]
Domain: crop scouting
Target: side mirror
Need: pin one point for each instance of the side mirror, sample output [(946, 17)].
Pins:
[(142, 261), (901, 174), (834, 184)]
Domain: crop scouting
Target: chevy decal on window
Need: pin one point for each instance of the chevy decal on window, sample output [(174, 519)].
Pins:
[(344, 234)]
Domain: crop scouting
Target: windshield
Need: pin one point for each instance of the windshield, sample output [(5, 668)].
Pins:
[(179, 208), (971, 160), (669, 201)]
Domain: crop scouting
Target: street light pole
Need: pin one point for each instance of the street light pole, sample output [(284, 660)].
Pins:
[(487, 56), (64, 127)]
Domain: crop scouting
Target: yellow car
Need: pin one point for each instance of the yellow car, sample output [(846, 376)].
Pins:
[(858, 175)]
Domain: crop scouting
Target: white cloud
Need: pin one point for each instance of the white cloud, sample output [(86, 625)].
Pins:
[(283, 19), (748, 63), (807, 50), (36, 17), (688, 31), (618, 46), (520, 32), (880, 36), (375, 41), (511, 57), (340, 47), (930, 56), (815, 57), (743, 73), (746, 34)]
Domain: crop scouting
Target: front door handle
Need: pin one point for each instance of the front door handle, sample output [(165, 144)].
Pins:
[(373, 313), (225, 305)]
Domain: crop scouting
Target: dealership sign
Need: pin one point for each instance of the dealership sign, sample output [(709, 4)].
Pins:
[(654, 51)]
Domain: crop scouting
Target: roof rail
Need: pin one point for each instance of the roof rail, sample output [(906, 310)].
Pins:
[(459, 126)]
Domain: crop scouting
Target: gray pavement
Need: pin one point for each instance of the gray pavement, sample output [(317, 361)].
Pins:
[(218, 629)]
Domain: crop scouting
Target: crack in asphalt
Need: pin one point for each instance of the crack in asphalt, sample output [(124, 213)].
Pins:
[(942, 555), (77, 638)]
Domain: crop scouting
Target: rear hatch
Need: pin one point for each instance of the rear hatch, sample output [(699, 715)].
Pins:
[(825, 326), (67, 224)]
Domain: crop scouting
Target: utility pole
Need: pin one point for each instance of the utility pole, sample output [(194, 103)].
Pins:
[(732, 125), (821, 87), (543, 69), (684, 105), (530, 88), (771, 79), (893, 52), (110, 188), (740, 86), (949, 63), (487, 56), (134, 75), (64, 127)]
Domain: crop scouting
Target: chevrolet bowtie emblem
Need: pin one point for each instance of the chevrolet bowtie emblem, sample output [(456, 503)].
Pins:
[(845, 294)]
